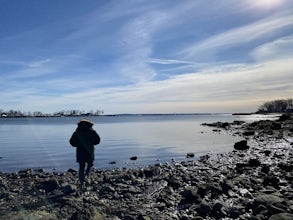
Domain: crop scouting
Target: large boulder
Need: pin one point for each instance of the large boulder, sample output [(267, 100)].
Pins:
[(282, 216), (241, 145), (189, 195), (49, 185)]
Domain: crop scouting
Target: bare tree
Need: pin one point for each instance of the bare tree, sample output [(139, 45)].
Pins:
[(276, 106)]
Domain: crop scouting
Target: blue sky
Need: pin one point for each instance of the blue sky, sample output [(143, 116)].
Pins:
[(145, 56)]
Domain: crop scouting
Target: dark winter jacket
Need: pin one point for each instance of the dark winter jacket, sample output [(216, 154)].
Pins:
[(84, 138)]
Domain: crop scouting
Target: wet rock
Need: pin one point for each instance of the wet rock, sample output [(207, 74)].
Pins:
[(267, 200), (174, 182), (25, 173), (284, 117), (267, 152), (235, 211), (189, 196), (73, 171), (67, 189), (133, 158), (272, 181), (218, 124), (189, 155), (204, 158), (265, 169), (249, 133), (254, 162), (202, 190), (286, 166), (49, 185), (241, 145), (218, 210), (203, 209), (275, 126), (237, 122)]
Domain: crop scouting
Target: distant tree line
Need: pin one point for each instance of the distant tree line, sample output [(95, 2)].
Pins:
[(64, 113), (277, 106)]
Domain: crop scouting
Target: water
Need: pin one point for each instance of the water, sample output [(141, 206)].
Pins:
[(44, 142)]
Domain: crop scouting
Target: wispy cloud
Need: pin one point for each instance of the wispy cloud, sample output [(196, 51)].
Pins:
[(280, 48), (167, 61), (261, 30)]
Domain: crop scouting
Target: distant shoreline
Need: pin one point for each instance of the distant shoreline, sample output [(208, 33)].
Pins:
[(126, 114)]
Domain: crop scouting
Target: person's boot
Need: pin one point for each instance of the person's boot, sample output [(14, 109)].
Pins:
[(81, 179), (81, 185), (87, 172)]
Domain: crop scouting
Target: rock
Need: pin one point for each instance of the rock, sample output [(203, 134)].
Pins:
[(267, 152), (241, 165), (174, 182), (67, 189), (254, 162), (203, 209), (143, 217), (112, 162), (272, 181), (189, 196), (133, 158), (286, 166), (202, 190), (189, 155), (241, 145), (218, 210), (282, 216), (235, 211), (275, 210), (236, 122), (248, 133), (73, 171), (275, 126), (106, 190), (261, 209), (284, 117), (25, 172), (90, 213), (215, 189), (267, 200), (204, 158), (49, 185), (36, 215), (218, 124), (265, 169)]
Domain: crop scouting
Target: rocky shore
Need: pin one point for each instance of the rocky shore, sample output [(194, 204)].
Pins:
[(254, 181)]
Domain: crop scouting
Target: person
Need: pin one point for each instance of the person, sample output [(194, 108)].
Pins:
[(84, 138)]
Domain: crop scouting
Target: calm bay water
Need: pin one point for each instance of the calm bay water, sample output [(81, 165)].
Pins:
[(44, 142)]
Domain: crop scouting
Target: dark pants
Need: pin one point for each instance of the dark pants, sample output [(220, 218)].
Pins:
[(82, 174)]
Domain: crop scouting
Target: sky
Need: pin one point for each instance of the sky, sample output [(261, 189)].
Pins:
[(145, 56)]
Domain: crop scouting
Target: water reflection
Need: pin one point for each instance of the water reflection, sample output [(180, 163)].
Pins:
[(37, 143)]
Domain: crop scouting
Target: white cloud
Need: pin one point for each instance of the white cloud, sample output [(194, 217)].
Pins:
[(261, 29), (167, 61), (280, 48)]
